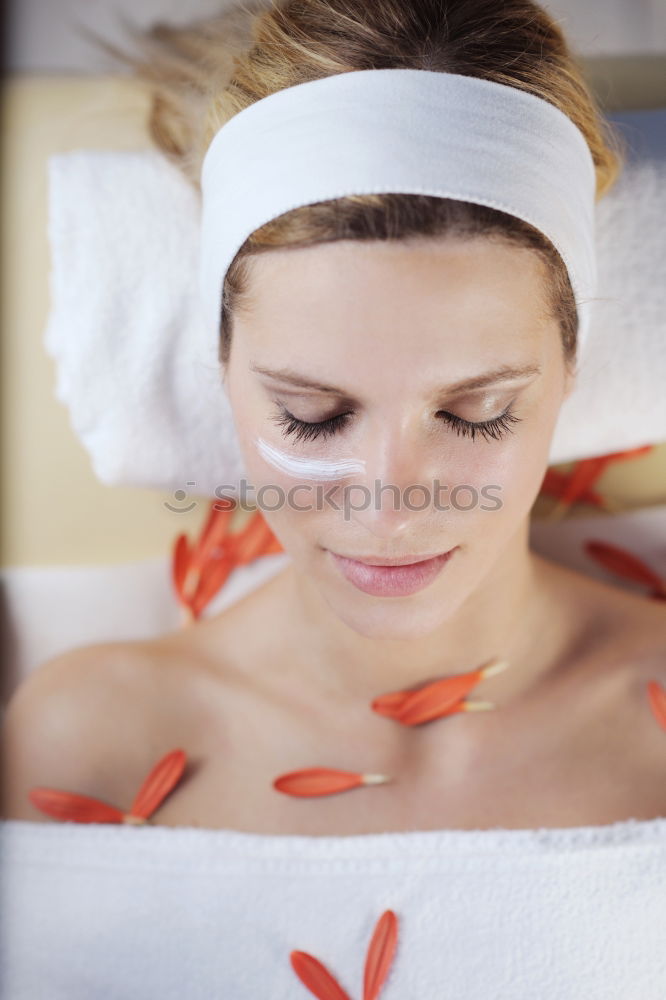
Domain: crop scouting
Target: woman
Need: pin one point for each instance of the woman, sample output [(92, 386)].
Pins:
[(423, 339)]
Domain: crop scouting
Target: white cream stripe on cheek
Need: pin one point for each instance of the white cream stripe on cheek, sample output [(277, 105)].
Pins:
[(308, 468)]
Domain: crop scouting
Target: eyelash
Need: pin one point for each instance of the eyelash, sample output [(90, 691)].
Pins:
[(303, 431)]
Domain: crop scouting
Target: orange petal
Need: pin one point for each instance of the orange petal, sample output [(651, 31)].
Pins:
[(252, 541), (390, 703), (623, 563), (212, 578), (215, 530), (380, 954), (585, 473), (432, 700), (316, 977), (555, 483), (435, 700), (163, 777), (439, 698), (180, 563), (70, 806), (444, 696), (657, 699), (552, 482), (312, 781), (273, 546), (393, 710)]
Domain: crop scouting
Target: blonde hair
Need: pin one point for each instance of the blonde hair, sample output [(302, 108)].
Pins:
[(204, 74)]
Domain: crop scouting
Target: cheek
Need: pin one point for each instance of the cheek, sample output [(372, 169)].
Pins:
[(502, 477)]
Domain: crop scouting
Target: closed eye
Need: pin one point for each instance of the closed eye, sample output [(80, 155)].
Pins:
[(301, 430), (496, 428)]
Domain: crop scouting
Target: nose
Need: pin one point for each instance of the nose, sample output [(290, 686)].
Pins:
[(393, 497)]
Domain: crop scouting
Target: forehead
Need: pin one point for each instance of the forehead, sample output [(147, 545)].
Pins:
[(372, 275), (352, 297)]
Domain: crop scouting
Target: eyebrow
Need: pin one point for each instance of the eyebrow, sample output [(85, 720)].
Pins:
[(503, 374)]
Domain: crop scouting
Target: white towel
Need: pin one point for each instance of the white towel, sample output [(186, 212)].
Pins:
[(141, 378), (97, 912)]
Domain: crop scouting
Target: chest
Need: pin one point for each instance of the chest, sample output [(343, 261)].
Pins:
[(554, 764)]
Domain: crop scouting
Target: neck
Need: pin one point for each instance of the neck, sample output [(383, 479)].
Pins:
[(511, 615)]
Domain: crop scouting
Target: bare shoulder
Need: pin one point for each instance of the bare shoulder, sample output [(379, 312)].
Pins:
[(89, 721)]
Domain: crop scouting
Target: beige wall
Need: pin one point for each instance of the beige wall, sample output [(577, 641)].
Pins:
[(54, 510)]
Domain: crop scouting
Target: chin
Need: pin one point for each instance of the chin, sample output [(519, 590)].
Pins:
[(392, 617)]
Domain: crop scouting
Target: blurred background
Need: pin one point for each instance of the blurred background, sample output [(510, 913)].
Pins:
[(42, 39)]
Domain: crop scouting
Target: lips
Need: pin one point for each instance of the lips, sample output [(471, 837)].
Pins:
[(393, 580), (397, 561)]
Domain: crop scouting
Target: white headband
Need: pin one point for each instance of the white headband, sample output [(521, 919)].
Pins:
[(402, 131)]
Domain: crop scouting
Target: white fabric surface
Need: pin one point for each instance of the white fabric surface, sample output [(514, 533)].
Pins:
[(134, 367), (112, 604), (117, 913)]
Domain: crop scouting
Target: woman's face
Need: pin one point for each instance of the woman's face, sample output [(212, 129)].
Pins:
[(391, 329)]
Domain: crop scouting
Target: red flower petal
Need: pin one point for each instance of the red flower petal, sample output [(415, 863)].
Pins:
[(212, 578), (180, 562), (273, 547), (215, 530), (623, 563), (555, 483), (657, 699), (316, 977), (585, 473), (163, 777), (253, 540), (380, 954), (313, 781), (71, 806), (434, 700)]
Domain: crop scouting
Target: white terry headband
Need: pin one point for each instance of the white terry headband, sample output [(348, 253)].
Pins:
[(402, 131)]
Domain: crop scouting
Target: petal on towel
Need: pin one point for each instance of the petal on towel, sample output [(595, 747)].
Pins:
[(215, 530), (180, 562), (316, 977), (587, 471), (380, 954), (434, 700), (162, 779), (313, 781), (657, 699), (583, 476), (212, 578), (273, 547), (625, 564), (253, 540), (74, 807), (555, 483)]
